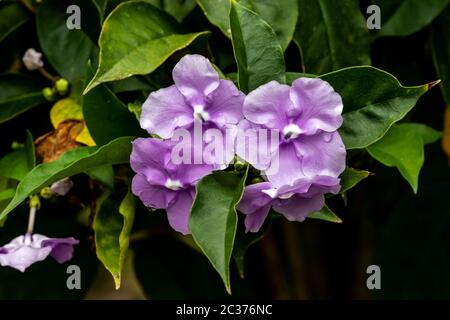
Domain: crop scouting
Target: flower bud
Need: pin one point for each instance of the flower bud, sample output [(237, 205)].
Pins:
[(48, 94), (32, 59), (257, 180), (47, 193), (62, 86)]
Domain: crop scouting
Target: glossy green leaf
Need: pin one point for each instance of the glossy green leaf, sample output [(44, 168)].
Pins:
[(12, 16), (373, 101), (148, 40), (325, 214), (70, 163), (351, 177), (332, 35), (17, 164), (281, 15), (405, 17), (178, 9), (258, 54), (68, 50), (102, 111), (112, 227), (441, 51), (104, 174), (18, 94), (213, 219), (402, 147)]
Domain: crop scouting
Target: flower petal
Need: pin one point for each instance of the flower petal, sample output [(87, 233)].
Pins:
[(149, 158), (319, 106), (62, 248), (285, 168), (256, 144), (225, 104), (22, 257), (269, 105), (164, 111), (151, 195), (322, 154), (297, 207), (255, 205), (195, 78), (178, 211)]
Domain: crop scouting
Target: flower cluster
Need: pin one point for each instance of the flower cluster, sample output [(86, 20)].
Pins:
[(300, 160)]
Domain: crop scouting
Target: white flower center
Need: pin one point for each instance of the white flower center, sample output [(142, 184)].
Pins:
[(291, 131), (200, 113), (173, 184)]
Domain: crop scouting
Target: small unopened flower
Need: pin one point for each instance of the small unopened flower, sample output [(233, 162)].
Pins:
[(62, 187), (162, 184), (32, 59), (27, 249)]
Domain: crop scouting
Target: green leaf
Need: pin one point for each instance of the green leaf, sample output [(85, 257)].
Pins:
[(12, 16), (405, 17), (373, 101), (7, 194), (243, 242), (102, 111), (104, 174), (178, 9), (281, 15), (70, 163), (67, 50), (258, 54), (402, 147), (332, 35), (18, 94), (351, 177), (213, 219), (17, 164), (112, 227), (325, 214), (149, 38), (440, 45)]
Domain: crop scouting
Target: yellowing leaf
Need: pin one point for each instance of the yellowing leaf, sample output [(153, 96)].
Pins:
[(69, 109)]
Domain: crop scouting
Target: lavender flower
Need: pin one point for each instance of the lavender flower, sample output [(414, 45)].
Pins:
[(27, 249), (306, 116), (162, 184), (197, 97)]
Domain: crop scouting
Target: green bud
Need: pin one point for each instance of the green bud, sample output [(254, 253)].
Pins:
[(16, 145), (257, 180), (62, 86), (35, 201), (239, 166), (48, 93), (47, 193)]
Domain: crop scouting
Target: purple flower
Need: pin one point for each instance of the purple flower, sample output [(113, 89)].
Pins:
[(197, 97), (306, 117), (25, 250), (161, 183), (293, 203)]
